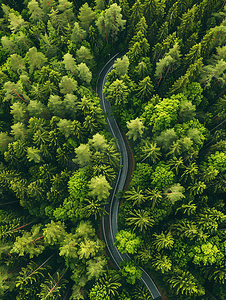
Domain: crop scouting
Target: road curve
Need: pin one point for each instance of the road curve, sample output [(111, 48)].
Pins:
[(109, 222)]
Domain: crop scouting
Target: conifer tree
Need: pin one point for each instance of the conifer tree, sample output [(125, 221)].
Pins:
[(36, 59), (121, 65), (36, 12), (78, 34), (86, 16), (84, 73)]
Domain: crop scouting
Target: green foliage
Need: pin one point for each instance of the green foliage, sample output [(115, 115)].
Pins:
[(135, 129), (127, 242), (162, 177), (131, 271)]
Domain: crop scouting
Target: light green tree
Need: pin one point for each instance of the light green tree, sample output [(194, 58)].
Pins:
[(18, 110), (84, 73), (78, 34), (86, 15), (175, 192), (84, 55), (84, 155), (70, 104), (35, 10), (16, 22), (99, 187), (55, 105), (96, 267), (66, 127), (19, 131), (54, 232), (140, 219), (33, 154), (121, 65), (36, 59), (163, 241), (37, 109), (127, 242), (17, 63), (67, 85), (136, 128), (131, 271), (69, 63), (162, 263)]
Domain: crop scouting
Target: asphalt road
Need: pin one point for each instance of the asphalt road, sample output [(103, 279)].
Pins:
[(109, 222)]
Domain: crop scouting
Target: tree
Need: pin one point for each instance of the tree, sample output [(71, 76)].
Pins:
[(177, 164), (99, 187), (140, 219), (56, 105), (100, 5), (36, 12), (84, 55), (84, 73), (175, 192), (165, 140), (209, 72), (113, 20), (54, 232), (98, 291), (8, 45), (26, 243), (127, 242), (36, 59), (154, 195), (66, 127), (13, 92), (4, 141), (53, 287), (78, 34), (162, 264), (70, 104), (135, 195), (145, 88), (47, 5), (86, 15), (130, 271), (69, 63), (188, 209), (163, 241), (165, 113), (19, 131), (96, 267), (83, 155), (33, 154), (19, 111), (121, 65), (150, 151), (37, 109), (94, 208), (16, 22), (185, 283), (162, 177), (68, 85), (191, 171), (17, 63), (117, 92), (197, 187), (135, 129)]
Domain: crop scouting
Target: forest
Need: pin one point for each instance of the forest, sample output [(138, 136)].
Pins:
[(59, 163)]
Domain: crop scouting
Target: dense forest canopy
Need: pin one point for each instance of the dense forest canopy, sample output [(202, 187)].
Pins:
[(58, 162)]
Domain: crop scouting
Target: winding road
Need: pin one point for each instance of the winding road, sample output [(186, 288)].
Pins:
[(109, 222)]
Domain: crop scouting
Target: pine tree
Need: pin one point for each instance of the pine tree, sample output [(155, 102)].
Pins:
[(84, 73), (36, 59), (16, 22), (84, 55), (18, 131), (121, 65), (136, 128), (191, 74), (68, 85), (78, 34), (36, 12), (86, 16)]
